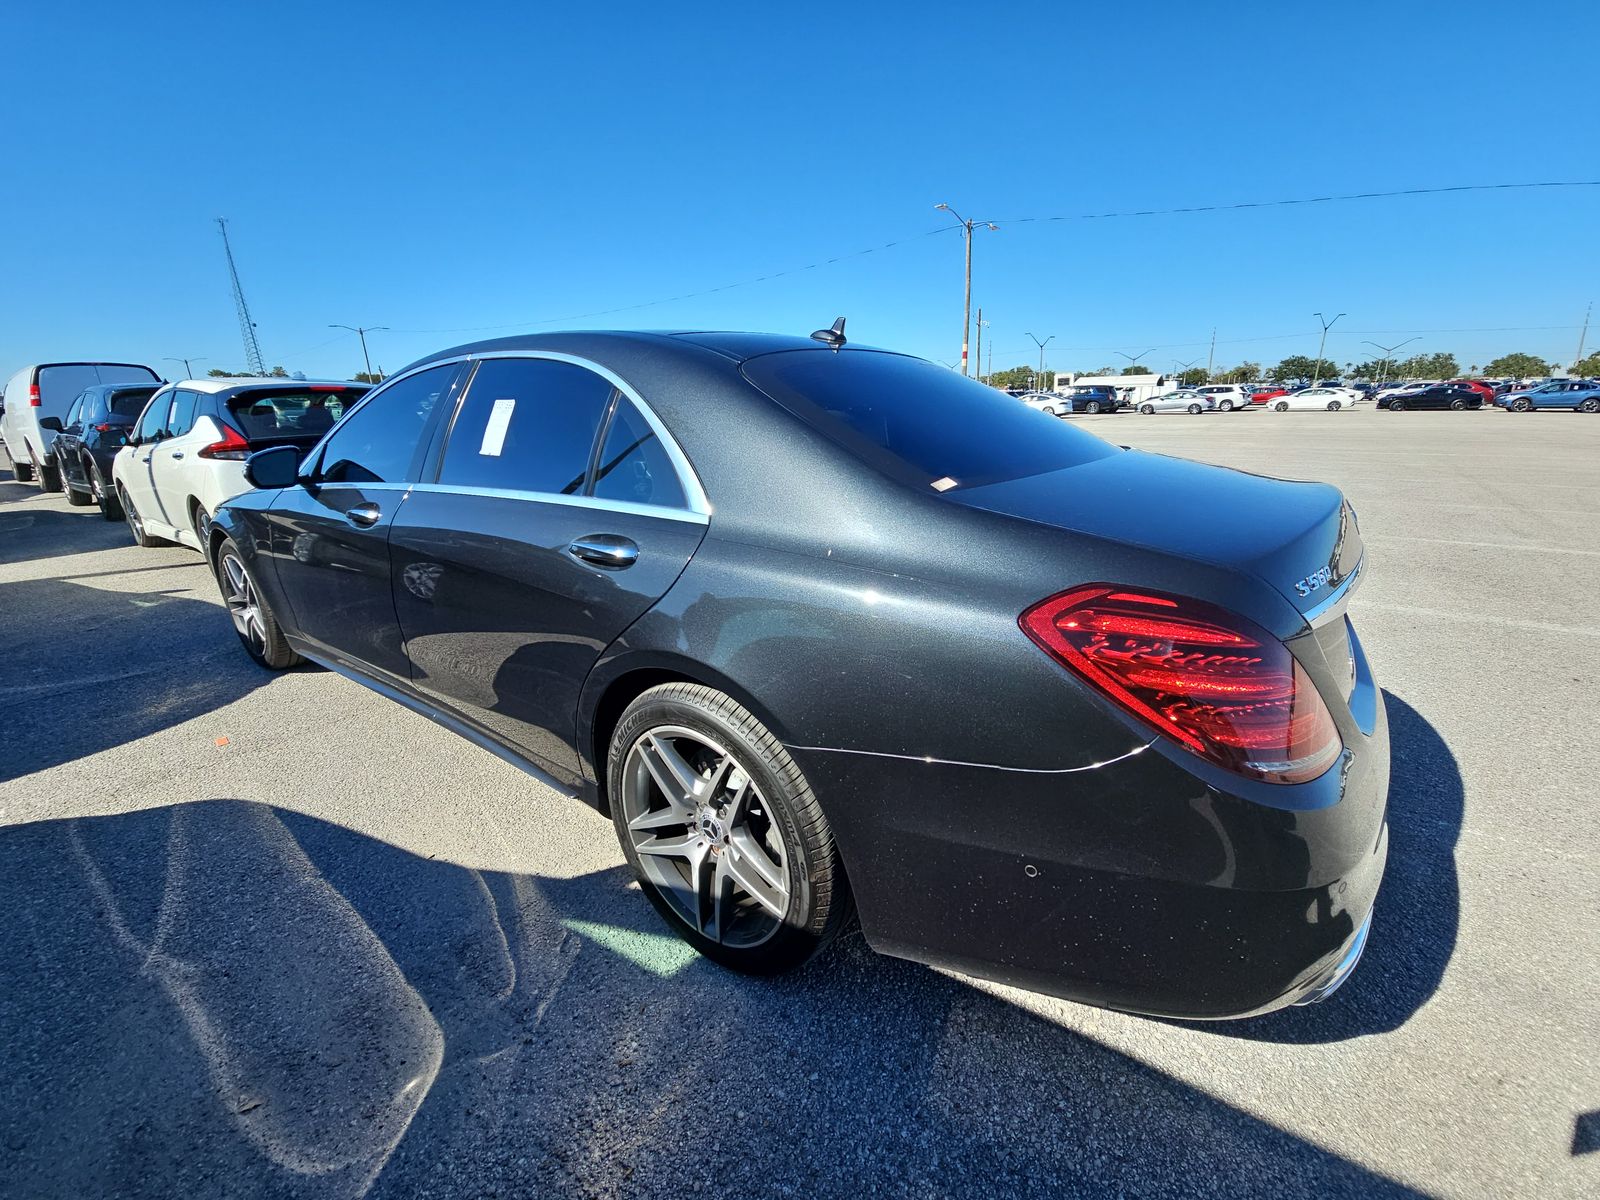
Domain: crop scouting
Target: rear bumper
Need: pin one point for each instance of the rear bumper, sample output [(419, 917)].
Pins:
[(1134, 885)]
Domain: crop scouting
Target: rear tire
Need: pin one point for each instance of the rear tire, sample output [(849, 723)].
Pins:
[(1458, 405), (1092, 407), (23, 471), (252, 616), (1225, 406), (733, 784), (202, 527), (78, 499), (1590, 405), (1195, 410), (48, 475), (1333, 406), (110, 509)]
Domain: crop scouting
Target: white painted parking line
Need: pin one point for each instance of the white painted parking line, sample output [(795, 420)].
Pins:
[(1466, 616), (1401, 537)]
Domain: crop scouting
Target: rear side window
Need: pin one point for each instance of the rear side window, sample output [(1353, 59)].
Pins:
[(921, 424), (526, 425), (379, 441), (633, 465), (184, 405), (290, 414)]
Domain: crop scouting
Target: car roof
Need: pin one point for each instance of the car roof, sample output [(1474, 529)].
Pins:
[(255, 383)]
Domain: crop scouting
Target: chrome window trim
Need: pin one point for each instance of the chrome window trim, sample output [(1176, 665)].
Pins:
[(694, 493), (591, 502), (1337, 600)]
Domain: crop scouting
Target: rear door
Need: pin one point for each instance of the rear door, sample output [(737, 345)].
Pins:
[(559, 514), (328, 537)]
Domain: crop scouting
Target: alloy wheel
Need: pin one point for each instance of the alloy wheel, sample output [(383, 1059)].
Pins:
[(705, 837), (243, 604), (132, 513)]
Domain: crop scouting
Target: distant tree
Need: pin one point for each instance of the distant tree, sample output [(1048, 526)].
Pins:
[(1192, 376), (1299, 367), (278, 373), (1588, 367), (1429, 366), (1378, 368), (1136, 369), (1245, 372), (1518, 366), (363, 377), (219, 373), (1015, 377)]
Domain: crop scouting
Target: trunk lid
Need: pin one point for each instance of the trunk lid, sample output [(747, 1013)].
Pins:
[(1299, 538)]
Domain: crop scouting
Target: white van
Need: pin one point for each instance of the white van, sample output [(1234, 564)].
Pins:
[(47, 390)]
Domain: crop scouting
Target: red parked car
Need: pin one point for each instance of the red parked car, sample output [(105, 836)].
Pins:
[(1483, 389), (1262, 395)]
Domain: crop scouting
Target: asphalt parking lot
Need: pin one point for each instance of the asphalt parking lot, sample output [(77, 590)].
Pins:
[(274, 935)]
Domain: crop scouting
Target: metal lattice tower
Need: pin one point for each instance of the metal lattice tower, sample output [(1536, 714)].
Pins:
[(247, 327)]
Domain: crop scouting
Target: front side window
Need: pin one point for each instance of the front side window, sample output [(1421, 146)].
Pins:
[(526, 425), (633, 464), (154, 421), (379, 441), (75, 413)]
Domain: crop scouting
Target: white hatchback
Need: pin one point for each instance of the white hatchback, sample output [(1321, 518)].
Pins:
[(185, 457)]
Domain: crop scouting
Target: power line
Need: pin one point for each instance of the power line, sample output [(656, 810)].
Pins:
[(1106, 216)]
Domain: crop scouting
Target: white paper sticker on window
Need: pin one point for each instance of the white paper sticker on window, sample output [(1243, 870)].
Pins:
[(494, 433)]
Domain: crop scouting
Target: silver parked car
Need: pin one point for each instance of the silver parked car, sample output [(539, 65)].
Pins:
[(1184, 400)]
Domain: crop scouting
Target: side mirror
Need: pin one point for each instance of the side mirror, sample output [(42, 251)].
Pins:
[(51, 423), (276, 467)]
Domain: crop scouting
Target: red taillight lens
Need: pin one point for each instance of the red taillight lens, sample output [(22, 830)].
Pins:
[(232, 446), (104, 428), (33, 395), (1212, 681)]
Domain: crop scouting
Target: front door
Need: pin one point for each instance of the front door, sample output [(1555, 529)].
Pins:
[(328, 535), (531, 552)]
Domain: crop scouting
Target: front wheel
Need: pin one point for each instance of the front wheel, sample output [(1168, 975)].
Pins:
[(78, 499), (48, 474), (22, 471), (1523, 405), (135, 522), (110, 509), (252, 616), (1281, 406), (723, 830), (1397, 405), (1147, 409), (1225, 406)]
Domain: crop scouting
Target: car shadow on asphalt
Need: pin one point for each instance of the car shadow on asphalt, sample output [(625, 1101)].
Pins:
[(1418, 912), (224, 997), (96, 667)]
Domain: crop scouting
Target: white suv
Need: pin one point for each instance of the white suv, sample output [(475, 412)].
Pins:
[(1226, 396), (186, 455), (38, 393)]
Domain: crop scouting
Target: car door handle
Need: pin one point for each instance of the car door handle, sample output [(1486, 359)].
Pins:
[(177, 454), (605, 550), (146, 458), (363, 516)]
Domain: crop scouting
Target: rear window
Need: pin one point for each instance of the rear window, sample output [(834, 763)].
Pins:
[(130, 402), (290, 413), (918, 423), (60, 385)]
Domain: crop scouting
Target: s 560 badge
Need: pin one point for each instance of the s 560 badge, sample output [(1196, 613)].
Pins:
[(1314, 581)]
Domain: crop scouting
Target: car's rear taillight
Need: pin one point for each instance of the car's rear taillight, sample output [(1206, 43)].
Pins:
[(104, 427), (232, 446), (33, 396), (1212, 681)]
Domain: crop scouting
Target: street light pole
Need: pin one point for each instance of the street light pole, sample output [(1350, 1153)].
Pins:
[(977, 349), (1183, 368), (1316, 368), (1133, 359), (188, 372), (966, 307), (1210, 358), (1388, 356), (1040, 376), (361, 333)]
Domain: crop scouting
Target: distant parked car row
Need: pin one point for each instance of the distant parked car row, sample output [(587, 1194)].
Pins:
[(163, 456)]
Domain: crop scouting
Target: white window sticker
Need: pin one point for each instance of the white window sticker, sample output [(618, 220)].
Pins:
[(494, 433)]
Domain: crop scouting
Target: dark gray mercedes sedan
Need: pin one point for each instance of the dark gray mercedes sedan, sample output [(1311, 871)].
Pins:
[(831, 630)]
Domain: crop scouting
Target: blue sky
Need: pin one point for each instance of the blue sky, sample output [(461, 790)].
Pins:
[(439, 169)]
